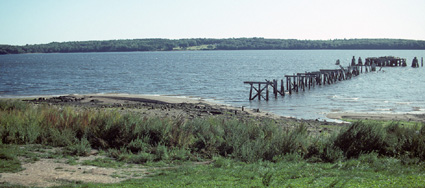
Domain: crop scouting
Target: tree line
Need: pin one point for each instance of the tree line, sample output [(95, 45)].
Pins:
[(210, 44)]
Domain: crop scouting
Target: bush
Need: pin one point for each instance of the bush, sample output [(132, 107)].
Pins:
[(140, 158), (161, 153), (179, 154), (58, 137), (361, 138), (139, 145), (81, 148)]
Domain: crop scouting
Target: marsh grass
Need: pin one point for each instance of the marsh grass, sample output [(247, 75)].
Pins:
[(8, 160), (244, 153), (132, 138)]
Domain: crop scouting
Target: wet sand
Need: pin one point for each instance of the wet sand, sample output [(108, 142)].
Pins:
[(376, 116)]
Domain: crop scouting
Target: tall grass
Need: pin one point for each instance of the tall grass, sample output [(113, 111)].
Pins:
[(134, 138)]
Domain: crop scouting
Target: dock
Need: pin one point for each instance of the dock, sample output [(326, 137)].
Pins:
[(306, 81)]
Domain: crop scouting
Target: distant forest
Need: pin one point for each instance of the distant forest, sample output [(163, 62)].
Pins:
[(211, 44)]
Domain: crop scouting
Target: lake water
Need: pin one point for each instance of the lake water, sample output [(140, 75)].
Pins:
[(219, 76)]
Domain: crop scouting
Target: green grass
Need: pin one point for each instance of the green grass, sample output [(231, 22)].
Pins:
[(9, 154), (8, 160), (246, 152), (385, 123), (367, 171), (104, 162)]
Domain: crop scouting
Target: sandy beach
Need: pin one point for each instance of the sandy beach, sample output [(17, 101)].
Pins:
[(375, 116)]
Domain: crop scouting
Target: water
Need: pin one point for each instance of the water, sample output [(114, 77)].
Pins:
[(219, 76)]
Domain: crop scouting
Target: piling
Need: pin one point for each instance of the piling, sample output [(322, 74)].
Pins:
[(301, 81), (415, 63)]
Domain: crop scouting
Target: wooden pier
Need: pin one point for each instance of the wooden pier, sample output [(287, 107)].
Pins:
[(387, 61), (308, 80)]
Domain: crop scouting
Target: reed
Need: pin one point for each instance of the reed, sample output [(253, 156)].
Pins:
[(131, 137)]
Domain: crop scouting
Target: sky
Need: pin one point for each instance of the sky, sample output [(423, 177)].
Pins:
[(44, 21)]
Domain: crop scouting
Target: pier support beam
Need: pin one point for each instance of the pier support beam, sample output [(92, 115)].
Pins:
[(259, 90)]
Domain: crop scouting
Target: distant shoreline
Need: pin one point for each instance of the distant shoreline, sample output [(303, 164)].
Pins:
[(135, 45)]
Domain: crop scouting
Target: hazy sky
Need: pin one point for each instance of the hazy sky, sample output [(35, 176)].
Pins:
[(43, 21)]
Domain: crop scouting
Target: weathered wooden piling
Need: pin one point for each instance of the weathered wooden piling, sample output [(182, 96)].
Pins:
[(387, 61), (275, 88), (259, 90), (415, 63), (301, 81)]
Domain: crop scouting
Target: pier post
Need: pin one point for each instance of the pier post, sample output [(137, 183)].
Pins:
[(259, 92), (250, 92), (267, 91), (290, 87), (282, 88), (415, 63)]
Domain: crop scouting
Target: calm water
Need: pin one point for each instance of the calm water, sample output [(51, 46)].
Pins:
[(219, 76)]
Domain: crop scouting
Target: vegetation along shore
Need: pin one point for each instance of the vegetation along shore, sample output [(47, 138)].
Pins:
[(155, 141), (130, 45)]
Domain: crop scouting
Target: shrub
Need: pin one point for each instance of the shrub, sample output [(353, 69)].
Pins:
[(179, 154), (208, 137), (139, 144), (361, 138), (10, 105), (58, 137), (81, 148), (417, 144), (140, 158), (161, 153)]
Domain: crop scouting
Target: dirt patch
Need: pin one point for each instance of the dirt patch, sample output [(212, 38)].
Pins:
[(54, 172)]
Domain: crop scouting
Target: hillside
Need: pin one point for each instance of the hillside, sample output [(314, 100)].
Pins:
[(211, 44)]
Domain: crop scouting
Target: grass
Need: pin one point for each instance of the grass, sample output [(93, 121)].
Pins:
[(367, 171), (104, 162), (245, 152), (131, 138), (8, 160), (385, 123)]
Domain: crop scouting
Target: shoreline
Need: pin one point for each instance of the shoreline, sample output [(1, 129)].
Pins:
[(378, 116), (120, 99), (197, 107), (112, 100)]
